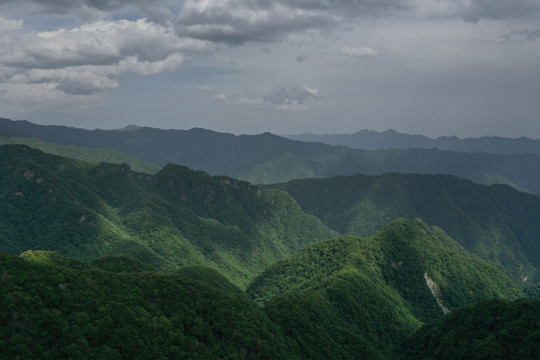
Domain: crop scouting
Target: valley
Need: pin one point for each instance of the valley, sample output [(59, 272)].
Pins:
[(182, 264)]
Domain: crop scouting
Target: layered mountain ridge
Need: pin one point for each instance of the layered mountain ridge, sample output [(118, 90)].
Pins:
[(167, 256), (496, 222), (391, 139), (267, 158)]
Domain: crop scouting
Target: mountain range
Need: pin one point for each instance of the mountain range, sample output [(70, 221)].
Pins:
[(391, 139), (98, 260), (267, 158)]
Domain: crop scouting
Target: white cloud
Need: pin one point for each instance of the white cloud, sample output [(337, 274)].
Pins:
[(286, 97), (45, 93), (220, 98), (86, 59), (7, 25), (312, 91), (360, 52)]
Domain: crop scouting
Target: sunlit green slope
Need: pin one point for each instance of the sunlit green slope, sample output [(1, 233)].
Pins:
[(376, 290), (174, 218)]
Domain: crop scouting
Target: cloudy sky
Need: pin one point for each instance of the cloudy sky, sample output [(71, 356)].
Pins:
[(433, 67)]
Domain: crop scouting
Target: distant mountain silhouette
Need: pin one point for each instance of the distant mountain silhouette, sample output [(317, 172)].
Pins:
[(391, 139), (267, 158)]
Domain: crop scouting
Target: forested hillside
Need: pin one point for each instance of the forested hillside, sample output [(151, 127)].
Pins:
[(497, 223), (190, 244), (174, 218), (488, 330), (117, 308), (340, 293), (345, 298)]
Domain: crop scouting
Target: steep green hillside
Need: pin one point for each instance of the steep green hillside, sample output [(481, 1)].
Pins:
[(497, 223), (85, 154), (53, 307), (57, 308), (376, 290), (489, 330), (267, 158), (174, 218)]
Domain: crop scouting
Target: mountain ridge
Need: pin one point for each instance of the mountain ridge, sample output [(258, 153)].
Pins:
[(496, 222), (174, 218), (374, 140), (267, 158)]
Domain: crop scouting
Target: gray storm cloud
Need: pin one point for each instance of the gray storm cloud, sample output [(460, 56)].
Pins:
[(154, 10), (291, 95), (475, 10), (51, 49), (64, 6), (520, 35), (239, 21)]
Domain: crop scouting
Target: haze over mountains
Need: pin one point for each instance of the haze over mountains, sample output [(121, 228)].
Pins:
[(267, 158), (390, 139), (182, 264), (150, 242)]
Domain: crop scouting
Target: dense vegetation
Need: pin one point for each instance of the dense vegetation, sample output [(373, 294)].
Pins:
[(497, 223), (493, 329), (56, 308), (346, 298), (85, 154), (390, 139), (377, 290), (174, 218), (267, 158)]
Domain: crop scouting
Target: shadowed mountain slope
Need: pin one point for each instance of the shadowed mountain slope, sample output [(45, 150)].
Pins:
[(497, 223), (95, 155), (267, 158), (488, 330)]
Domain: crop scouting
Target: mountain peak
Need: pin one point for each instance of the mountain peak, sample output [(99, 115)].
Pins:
[(130, 127)]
